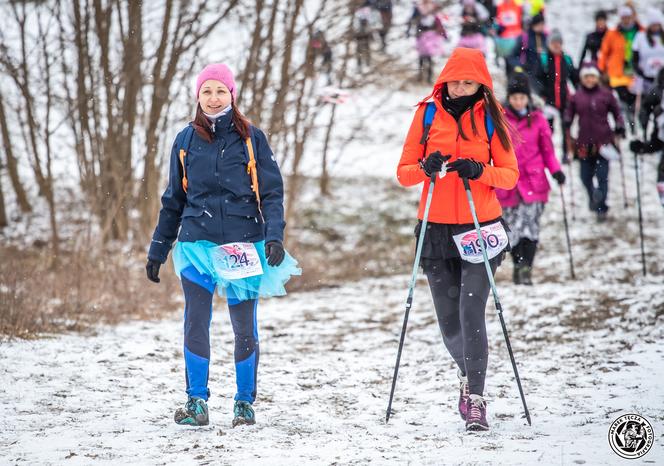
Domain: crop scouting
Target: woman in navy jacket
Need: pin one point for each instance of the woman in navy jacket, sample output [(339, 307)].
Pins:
[(225, 196)]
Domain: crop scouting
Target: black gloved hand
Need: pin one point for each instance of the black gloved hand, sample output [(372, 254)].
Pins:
[(620, 132), (275, 253), (559, 176), (434, 163), (152, 268), (638, 147), (467, 168)]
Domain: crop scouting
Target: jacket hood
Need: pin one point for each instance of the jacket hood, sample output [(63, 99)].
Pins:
[(464, 63)]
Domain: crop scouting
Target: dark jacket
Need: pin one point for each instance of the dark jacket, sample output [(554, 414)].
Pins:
[(592, 45), (554, 84), (593, 106), (526, 53), (652, 106), (219, 205)]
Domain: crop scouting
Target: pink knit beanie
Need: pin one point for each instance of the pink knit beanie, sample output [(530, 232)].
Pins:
[(219, 72)]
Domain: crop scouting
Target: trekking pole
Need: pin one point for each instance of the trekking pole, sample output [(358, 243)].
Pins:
[(622, 174), (496, 300), (571, 187), (409, 300), (638, 201), (569, 243)]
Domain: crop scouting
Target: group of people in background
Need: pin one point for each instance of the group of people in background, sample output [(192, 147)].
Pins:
[(612, 91)]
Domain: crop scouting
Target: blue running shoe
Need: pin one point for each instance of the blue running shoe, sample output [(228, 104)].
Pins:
[(244, 414), (194, 413)]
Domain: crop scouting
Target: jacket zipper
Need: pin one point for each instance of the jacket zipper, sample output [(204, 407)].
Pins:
[(456, 190)]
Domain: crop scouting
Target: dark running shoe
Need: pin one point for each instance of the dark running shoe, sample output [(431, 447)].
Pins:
[(194, 413), (244, 414), (476, 416)]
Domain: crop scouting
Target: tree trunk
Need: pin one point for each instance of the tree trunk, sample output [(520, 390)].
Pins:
[(12, 167)]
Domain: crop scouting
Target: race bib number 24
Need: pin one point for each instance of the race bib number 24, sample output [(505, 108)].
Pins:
[(238, 260)]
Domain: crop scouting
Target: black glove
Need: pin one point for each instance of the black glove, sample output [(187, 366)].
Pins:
[(152, 268), (434, 162), (466, 168), (620, 132), (559, 176), (275, 253), (638, 147)]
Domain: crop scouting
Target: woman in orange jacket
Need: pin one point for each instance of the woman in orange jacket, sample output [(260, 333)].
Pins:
[(460, 134)]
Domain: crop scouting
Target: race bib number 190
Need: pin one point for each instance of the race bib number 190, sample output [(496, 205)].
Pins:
[(470, 246), (238, 260)]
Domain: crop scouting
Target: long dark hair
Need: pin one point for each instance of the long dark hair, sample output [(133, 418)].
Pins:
[(651, 36), (500, 124), (204, 129)]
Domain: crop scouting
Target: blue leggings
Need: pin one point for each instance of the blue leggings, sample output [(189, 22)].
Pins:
[(198, 294)]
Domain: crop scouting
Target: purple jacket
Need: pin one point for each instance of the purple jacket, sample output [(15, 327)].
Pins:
[(534, 152), (592, 106)]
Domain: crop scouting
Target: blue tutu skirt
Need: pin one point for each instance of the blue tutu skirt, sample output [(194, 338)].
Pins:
[(201, 255)]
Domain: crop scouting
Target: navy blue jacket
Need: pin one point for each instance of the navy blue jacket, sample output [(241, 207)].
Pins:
[(219, 205)]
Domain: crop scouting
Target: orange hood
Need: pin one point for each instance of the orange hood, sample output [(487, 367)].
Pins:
[(463, 64)]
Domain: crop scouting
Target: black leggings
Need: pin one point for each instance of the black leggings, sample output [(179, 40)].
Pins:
[(460, 291)]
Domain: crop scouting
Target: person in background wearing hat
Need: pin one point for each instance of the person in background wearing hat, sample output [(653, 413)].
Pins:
[(463, 97), (616, 61), (529, 47), (648, 51), (524, 204), (592, 104), (555, 70), (228, 208), (594, 39)]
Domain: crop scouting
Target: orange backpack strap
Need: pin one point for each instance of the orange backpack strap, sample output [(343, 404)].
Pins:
[(253, 172), (183, 155)]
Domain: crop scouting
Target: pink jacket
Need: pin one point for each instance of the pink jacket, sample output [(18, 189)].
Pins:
[(534, 152)]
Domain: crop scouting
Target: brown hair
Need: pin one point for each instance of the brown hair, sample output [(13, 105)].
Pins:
[(204, 129), (499, 122)]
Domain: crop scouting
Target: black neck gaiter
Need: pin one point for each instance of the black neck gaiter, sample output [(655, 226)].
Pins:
[(457, 107)]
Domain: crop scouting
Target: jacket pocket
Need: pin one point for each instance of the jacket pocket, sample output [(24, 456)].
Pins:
[(190, 211), (242, 209), (243, 221)]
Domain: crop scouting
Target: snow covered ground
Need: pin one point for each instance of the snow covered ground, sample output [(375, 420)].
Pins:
[(588, 351)]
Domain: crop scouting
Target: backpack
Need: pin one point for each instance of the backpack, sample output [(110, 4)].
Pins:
[(251, 165), (430, 113)]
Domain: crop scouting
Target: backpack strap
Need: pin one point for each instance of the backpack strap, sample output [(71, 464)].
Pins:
[(429, 114), (188, 135), (252, 170)]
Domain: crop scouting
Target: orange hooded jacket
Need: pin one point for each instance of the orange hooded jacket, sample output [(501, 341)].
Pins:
[(611, 58), (449, 203)]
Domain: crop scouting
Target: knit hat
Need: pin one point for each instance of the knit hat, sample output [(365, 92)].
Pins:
[(625, 11), (518, 85), (654, 16), (600, 14), (555, 36), (537, 19), (219, 72), (589, 68)]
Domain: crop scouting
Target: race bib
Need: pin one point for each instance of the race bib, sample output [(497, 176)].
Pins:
[(237, 260), (470, 247)]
